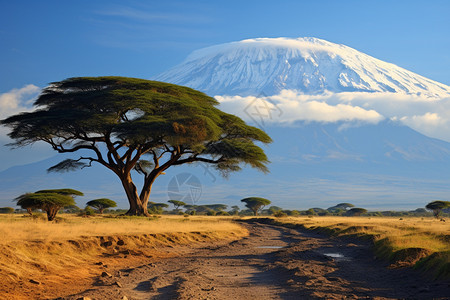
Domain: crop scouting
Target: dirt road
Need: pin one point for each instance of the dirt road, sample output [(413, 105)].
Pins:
[(271, 263)]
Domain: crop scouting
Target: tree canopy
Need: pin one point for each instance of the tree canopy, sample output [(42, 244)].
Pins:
[(135, 124), (356, 211), (255, 204), (102, 204), (49, 202), (177, 203), (344, 206), (6, 210), (156, 208), (437, 206), (67, 192)]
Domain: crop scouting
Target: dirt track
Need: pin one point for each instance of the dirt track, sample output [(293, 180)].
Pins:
[(255, 268)]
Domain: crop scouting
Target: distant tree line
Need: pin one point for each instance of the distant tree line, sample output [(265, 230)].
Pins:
[(62, 200)]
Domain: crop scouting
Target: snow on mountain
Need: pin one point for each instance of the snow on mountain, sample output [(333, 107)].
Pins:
[(308, 65)]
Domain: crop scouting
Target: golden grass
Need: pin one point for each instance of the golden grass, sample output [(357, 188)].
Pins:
[(59, 253), (409, 241), (427, 233), (18, 228)]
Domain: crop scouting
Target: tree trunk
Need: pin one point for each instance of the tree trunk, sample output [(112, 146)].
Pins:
[(145, 195), (137, 207), (51, 213)]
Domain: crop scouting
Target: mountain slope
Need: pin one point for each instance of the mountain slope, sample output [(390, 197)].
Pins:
[(310, 65)]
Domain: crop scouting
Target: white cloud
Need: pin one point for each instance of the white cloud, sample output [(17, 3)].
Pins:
[(13, 102), (430, 116), (289, 107), (17, 100)]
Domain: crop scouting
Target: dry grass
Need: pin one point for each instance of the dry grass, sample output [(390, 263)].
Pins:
[(427, 233), (15, 228), (60, 253), (420, 242)]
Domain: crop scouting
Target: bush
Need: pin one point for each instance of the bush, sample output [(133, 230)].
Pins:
[(6, 210), (222, 213), (280, 214), (88, 211)]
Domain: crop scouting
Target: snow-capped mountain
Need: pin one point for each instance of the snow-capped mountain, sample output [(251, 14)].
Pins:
[(308, 65), (337, 118)]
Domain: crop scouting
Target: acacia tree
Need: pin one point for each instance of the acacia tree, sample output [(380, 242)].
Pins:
[(356, 211), (101, 204), (156, 208), (135, 124), (6, 210), (49, 202), (29, 202), (255, 204), (177, 204), (437, 206), (234, 210)]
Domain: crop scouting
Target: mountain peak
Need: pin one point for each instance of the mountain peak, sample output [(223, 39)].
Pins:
[(308, 65)]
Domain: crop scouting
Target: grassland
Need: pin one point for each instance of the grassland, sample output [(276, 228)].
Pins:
[(69, 249), (15, 228), (423, 243)]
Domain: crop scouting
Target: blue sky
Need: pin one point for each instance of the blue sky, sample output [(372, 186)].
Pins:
[(45, 41)]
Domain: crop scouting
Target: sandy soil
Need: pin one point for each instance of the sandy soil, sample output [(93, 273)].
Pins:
[(271, 263)]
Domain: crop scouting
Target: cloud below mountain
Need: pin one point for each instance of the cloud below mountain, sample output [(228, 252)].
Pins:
[(430, 116)]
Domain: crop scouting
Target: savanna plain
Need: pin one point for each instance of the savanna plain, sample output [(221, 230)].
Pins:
[(212, 257)]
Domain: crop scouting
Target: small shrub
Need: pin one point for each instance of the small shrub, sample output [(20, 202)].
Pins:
[(280, 214), (6, 210), (222, 213), (88, 211)]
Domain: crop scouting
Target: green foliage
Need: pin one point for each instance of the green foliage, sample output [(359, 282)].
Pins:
[(177, 203), (344, 206), (356, 211), (234, 210), (292, 213), (6, 210), (311, 212), (121, 120), (280, 214), (216, 207), (222, 213), (437, 206), (101, 204), (338, 209), (255, 204), (72, 209), (87, 211), (49, 202), (156, 208), (274, 209), (67, 192), (319, 211)]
